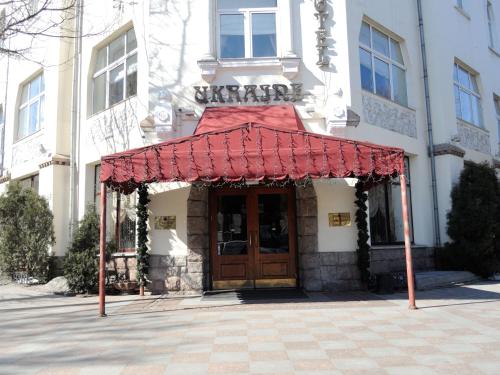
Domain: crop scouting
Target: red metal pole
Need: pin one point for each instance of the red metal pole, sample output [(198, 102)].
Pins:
[(409, 262), (102, 250)]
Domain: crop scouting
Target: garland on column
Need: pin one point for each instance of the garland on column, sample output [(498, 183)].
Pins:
[(363, 248), (142, 254)]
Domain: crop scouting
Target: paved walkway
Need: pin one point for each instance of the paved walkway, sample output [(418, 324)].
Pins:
[(455, 331)]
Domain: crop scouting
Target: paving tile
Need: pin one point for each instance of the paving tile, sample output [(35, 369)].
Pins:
[(144, 369), (270, 367), (356, 363), (313, 365), (268, 355), (228, 368), (410, 370)]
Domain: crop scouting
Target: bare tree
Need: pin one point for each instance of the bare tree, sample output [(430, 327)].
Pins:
[(27, 20)]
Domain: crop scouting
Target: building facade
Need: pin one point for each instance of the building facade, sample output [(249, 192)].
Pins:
[(353, 69)]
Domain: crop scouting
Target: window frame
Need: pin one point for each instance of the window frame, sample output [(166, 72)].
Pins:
[(496, 103), (396, 181), (109, 67), (247, 29), (388, 60), (27, 104), (117, 224), (461, 88), (490, 15)]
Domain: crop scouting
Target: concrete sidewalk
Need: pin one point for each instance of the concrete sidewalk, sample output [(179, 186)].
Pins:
[(455, 331)]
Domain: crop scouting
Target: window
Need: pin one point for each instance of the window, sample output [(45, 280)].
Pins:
[(30, 182), (115, 72), (491, 23), (247, 28), (31, 109), (381, 64), (497, 109), (467, 99), (120, 215), (386, 221)]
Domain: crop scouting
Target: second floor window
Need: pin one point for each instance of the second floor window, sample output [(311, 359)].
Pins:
[(31, 116), (382, 66), (115, 72), (467, 99), (247, 28)]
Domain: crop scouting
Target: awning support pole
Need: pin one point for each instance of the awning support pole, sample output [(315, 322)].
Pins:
[(409, 262), (102, 251)]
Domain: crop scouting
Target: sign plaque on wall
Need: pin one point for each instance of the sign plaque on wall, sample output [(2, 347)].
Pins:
[(339, 219), (165, 222)]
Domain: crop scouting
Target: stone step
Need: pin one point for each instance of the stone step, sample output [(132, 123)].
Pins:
[(443, 279)]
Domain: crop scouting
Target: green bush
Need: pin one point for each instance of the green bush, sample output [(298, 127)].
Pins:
[(26, 232), (474, 222), (81, 263)]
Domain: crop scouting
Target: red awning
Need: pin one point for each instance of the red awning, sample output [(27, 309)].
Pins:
[(235, 144)]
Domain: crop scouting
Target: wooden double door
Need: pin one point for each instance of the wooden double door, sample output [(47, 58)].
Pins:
[(253, 237)]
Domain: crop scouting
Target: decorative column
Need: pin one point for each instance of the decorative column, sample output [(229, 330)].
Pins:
[(208, 62), (290, 61)]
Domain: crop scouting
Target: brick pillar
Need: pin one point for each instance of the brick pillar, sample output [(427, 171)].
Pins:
[(307, 236), (198, 240)]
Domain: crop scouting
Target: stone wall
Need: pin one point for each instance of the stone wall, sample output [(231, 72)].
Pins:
[(392, 259), (186, 273), (321, 271)]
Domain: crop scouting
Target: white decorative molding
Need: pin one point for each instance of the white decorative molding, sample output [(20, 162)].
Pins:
[(28, 149), (474, 137), (342, 117), (208, 69), (290, 66), (389, 115)]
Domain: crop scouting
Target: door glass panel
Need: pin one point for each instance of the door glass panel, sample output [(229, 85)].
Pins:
[(273, 224), (232, 225)]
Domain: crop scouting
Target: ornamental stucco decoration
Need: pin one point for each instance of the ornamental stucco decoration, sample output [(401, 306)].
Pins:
[(27, 150), (474, 138), (321, 34), (390, 116)]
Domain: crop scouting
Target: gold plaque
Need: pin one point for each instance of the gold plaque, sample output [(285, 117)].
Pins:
[(165, 222), (339, 219)]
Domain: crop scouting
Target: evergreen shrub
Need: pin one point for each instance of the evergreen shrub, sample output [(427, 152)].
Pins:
[(474, 222), (26, 232), (81, 263)]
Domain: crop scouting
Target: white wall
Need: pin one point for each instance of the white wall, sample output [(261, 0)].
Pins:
[(172, 202), (334, 196)]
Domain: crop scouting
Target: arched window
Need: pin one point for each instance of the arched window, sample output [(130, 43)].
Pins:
[(382, 66), (31, 115), (115, 72)]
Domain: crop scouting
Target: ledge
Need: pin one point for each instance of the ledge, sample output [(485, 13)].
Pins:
[(289, 65), (494, 51), (462, 12), (55, 160), (448, 149)]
